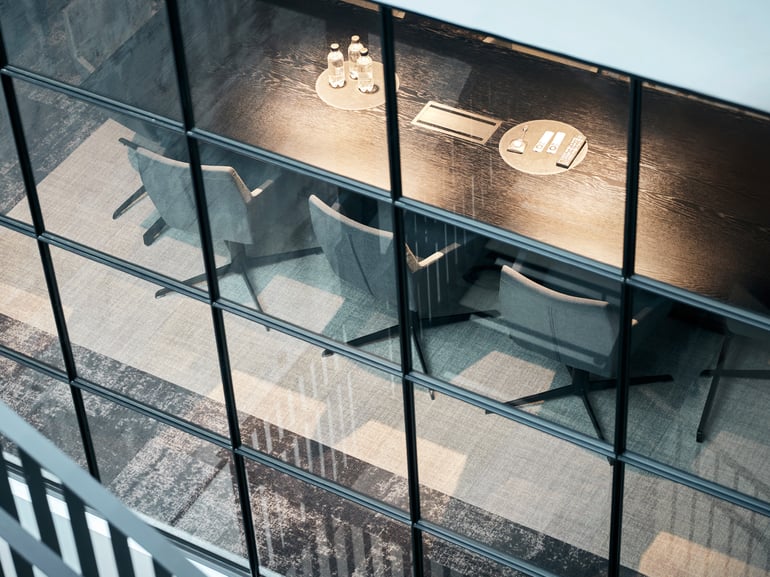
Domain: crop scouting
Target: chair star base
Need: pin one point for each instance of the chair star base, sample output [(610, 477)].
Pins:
[(580, 386), (241, 264)]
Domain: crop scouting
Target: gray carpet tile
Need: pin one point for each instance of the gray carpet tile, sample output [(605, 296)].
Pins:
[(181, 481)]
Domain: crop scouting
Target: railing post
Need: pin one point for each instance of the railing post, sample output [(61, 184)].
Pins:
[(79, 492)]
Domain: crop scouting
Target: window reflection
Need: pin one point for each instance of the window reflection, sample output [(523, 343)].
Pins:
[(537, 334), (357, 271), (44, 403), (669, 529), (712, 420), (327, 415), (260, 224), (26, 319), (184, 483), (467, 98), (117, 48), (11, 184), (257, 74), (512, 488), (303, 530), (441, 555), (112, 183), (702, 197), (160, 352)]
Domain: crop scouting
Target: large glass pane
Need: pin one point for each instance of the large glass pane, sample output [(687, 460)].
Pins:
[(305, 531), (443, 265), (11, 184), (328, 415), (346, 287), (44, 403), (54, 127), (258, 74), (713, 419), (472, 110), (158, 351), (439, 556), (116, 48), (113, 183), (529, 331), (260, 224), (26, 320), (704, 218), (182, 482), (670, 529), (522, 492)]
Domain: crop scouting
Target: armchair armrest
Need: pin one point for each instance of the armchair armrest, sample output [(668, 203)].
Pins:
[(262, 187), (416, 263), (648, 314), (127, 142)]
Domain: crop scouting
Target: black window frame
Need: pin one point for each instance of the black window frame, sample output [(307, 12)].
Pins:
[(616, 452)]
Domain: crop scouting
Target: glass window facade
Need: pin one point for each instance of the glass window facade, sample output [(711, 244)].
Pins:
[(495, 312)]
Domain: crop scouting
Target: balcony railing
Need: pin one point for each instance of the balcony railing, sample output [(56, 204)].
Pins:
[(60, 536)]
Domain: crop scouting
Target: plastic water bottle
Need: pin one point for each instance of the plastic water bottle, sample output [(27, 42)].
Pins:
[(365, 72), (336, 62), (354, 51)]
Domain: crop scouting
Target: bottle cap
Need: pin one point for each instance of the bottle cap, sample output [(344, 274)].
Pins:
[(354, 38), (335, 46), (364, 51)]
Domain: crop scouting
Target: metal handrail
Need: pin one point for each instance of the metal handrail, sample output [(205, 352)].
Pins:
[(82, 494)]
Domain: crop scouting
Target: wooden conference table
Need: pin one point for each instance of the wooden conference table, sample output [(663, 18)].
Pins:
[(704, 217)]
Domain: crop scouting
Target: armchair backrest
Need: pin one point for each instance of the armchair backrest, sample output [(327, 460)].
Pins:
[(169, 184), (358, 254), (579, 332)]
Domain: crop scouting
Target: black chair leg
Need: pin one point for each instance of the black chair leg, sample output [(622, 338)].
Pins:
[(700, 434), (581, 385), (716, 375), (387, 333), (548, 395), (417, 325), (129, 202), (252, 290), (192, 281), (152, 233), (380, 335), (255, 261), (239, 263), (592, 415)]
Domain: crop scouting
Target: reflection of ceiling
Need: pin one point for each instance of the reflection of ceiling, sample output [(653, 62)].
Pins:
[(373, 6), (716, 50), (539, 53)]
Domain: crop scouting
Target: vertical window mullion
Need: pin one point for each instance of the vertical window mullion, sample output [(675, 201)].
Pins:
[(46, 262), (185, 95), (626, 318), (405, 317)]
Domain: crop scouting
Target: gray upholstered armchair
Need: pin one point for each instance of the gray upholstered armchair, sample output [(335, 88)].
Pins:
[(237, 215), (581, 333), (362, 256)]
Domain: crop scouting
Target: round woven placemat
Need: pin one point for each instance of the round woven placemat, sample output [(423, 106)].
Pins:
[(543, 162), (349, 97)]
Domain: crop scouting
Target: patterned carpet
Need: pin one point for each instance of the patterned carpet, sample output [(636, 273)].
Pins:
[(187, 484), (470, 467)]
